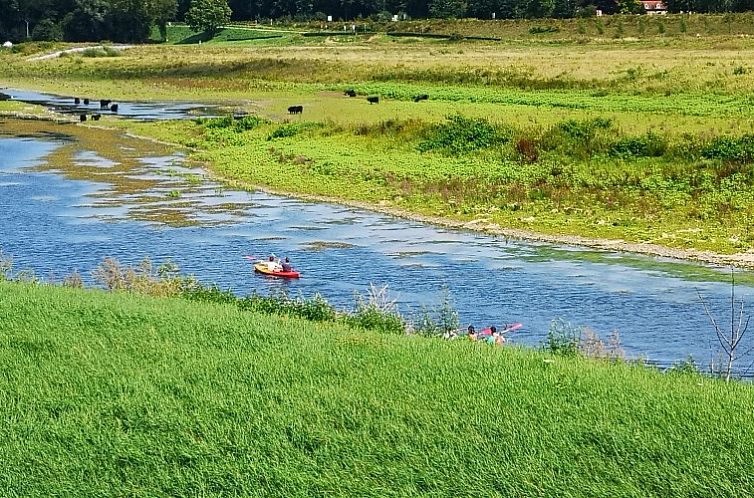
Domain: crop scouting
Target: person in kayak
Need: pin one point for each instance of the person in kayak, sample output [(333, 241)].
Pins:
[(272, 264), (287, 264)]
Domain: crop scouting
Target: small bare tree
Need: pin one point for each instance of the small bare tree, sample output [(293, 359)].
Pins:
[(729, 340)]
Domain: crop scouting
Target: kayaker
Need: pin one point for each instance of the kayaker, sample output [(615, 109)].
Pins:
[(287, 264), (272, 264)]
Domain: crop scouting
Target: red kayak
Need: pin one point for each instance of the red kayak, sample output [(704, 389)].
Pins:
[(262, 267)]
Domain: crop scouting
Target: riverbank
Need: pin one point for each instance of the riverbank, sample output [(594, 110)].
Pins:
[(176, 397), (579, 144)]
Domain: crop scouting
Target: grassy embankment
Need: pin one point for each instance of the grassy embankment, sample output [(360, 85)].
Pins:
[(118, 394), (644, 138)]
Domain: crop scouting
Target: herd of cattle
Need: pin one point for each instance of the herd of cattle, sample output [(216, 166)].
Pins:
[(104, 104), (298, 109)]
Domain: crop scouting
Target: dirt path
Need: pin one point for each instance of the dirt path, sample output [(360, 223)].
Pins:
[(53, 55)]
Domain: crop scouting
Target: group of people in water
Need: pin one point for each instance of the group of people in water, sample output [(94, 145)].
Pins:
[(277, 264), (490, 335)]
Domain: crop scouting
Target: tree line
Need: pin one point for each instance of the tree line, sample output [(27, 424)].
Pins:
[(133, 20)]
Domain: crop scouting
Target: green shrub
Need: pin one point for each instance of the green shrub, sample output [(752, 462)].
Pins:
[(535, 30), (101, 52), (461, 135), (648, 145), (245, 123), (291, 130), (563, 338), (731, 149)]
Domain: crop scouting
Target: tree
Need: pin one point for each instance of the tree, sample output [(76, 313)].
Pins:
[(445, 9), (47, 30), (163, 11), (630, 7), (536, 9), (208, 16), (564, 8), (729, 334)]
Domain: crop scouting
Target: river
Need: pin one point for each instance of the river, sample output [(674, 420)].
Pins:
[(67, 201)]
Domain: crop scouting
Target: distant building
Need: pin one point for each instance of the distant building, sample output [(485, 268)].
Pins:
[(654, 6)]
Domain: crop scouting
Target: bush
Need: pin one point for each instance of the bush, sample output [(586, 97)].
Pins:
[(315, 308), (101, 52), (461, 135), (579, 139), (562, 338), (731, 149), (535, 30), (376, 312), (648, 145), (245, 123)]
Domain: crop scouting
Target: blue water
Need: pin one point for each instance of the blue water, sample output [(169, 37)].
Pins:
[(54, 225)]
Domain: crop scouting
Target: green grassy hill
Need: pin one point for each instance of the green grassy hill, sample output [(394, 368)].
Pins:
[(122, 395)]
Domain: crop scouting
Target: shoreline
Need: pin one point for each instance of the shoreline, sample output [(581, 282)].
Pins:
[(738, 260)]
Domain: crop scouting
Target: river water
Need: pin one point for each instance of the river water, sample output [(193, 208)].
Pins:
[(60, 212)]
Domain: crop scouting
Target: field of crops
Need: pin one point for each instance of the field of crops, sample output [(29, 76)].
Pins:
[(117, 394), (644, 138)]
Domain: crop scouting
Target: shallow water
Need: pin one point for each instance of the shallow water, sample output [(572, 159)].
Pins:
[(135, 110), (71, 214)]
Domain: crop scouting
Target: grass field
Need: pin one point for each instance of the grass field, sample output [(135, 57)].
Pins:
[(117, 394), (672, 167)]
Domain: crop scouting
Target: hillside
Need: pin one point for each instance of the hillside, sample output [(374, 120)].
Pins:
[(116, 394)]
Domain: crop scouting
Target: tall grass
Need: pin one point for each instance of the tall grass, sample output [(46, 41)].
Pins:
[(119, 394)]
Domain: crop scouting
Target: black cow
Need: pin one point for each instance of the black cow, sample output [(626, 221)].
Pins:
[(373, 100), (295, 109), (103, 104), (423, 96), (77, 101), (82, 117), (86, 101), (114, 108), (95, 117), (350, 92)]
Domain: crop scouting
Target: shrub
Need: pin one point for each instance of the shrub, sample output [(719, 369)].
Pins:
[(445, 319), (562, 338), (461, 135), (143, 278), (101, 52), (731, 149), (376, 311), (648, 145), (245, 123), (527, 150), (535, 30), (315, 308), (578, 138)]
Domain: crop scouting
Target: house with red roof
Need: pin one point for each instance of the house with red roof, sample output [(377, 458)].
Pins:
[(654, 6)]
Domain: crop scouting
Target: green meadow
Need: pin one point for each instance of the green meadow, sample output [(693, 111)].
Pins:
[(116, 394), (626, 127)]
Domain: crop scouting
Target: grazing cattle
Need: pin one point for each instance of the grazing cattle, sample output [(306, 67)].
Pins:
[(103, 104), (350, 92), (373, 100), (82, 117), (86, 101), (114, 108), (423, 96), (295, 109), (77, 101), (95, 117)]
